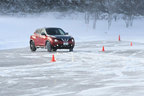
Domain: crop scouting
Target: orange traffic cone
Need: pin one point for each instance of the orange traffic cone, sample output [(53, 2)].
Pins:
[(131, 44), (119, 38), (53, 59), (103, 49)]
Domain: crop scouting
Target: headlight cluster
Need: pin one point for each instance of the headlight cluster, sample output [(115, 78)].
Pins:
[(55, 40), (72, 40)]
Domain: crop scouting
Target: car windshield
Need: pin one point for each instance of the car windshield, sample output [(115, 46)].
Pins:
[(55, 31)]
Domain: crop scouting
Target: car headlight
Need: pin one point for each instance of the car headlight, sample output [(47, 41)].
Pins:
[(72, 40), (55, 40)]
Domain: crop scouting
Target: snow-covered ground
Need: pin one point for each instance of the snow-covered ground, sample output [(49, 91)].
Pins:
[(119, 71)]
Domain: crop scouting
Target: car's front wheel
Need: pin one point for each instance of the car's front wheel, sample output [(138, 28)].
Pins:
[(48, 46), (32, 46), (71, 49), (54, 50)]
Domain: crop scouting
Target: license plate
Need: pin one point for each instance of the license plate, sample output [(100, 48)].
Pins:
[(65, 43)]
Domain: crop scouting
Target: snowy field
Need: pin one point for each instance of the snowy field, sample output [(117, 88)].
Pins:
[(119, 71)]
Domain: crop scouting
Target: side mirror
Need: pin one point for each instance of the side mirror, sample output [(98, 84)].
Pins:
[(66, 33), (43, 34)]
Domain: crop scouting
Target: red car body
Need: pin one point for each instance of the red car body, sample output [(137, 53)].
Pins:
[(40, 38)]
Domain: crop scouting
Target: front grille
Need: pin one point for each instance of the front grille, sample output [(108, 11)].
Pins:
[(64, 39)]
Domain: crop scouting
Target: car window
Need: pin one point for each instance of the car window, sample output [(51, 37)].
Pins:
[(55, 31), (42, 31), (37, 31), (61, 31)]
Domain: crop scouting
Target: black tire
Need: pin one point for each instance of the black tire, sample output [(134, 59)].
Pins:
[(32, 46), (54, 50), (48, 47), (71, 49)]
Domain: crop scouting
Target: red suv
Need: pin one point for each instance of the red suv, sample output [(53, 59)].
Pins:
[(51, 39)]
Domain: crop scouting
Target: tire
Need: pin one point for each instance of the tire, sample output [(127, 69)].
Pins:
[(48, 47), (54, 50), (32, 46), (71, 49)]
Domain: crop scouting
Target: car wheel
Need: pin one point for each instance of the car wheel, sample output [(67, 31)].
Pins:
[(71, 49), (48, 46), (32, 46), (54, 49)]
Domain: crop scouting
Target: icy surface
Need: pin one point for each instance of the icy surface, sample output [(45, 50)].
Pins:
[(119, 71)]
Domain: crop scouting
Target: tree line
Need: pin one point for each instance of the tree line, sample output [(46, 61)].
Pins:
[(97, 9), (127, 7)]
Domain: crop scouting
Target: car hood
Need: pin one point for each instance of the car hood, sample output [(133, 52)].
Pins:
[(62, 36)]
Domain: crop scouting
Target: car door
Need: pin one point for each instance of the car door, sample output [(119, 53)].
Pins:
[(37, 34), (36, 38), (42, 38)]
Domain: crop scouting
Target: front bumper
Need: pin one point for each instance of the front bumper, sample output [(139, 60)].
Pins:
[(61, 45)]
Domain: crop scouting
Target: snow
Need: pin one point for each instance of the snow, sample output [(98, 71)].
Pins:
[(119, 71), (85, 72)]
